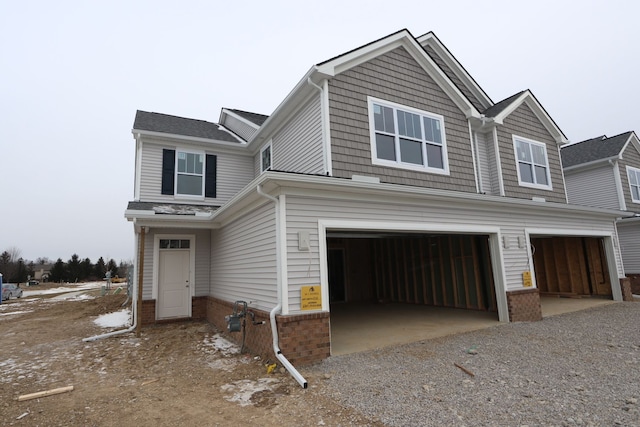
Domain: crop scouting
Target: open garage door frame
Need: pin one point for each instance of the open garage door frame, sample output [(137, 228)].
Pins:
[(495, 249), (607, 239)]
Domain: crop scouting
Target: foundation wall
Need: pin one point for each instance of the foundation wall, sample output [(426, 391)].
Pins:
[(625, 286), (524, 305), (303, 339), (635, 283)]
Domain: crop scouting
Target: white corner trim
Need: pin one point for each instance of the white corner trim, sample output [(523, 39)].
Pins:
[(476, 169), (619, 188), (326, 128), (496, 147)]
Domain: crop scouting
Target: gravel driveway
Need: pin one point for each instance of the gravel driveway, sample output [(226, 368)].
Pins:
[(579, 368)]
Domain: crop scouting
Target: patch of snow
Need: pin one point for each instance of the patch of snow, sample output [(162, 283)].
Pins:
[(75, 296), (68, 287), (221, 344), (15, 312), (244, 390), (227, 365), (115, 319)]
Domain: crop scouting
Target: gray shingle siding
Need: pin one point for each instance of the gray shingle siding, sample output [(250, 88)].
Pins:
[(394, 77), (523, 122)]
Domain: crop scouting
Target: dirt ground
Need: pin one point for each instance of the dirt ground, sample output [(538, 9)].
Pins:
[(174, 374)]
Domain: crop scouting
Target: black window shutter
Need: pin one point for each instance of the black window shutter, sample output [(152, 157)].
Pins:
[(210, 176), (168, 171)]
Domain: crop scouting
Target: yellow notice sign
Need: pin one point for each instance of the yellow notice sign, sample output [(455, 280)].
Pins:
[(526, 279), (310, 298)]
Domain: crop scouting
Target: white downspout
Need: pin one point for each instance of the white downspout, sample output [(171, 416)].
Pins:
[(278, 308), (134, 307), (324, 119)]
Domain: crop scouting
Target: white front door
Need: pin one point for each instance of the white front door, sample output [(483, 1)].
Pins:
[(174, 293)]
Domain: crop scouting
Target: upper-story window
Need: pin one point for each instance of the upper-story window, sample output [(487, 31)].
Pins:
[(407, 138), (265, 158), (634, 183), (532, 162), (189, 174)]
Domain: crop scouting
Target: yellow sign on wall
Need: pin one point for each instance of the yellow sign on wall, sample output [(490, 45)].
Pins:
[(310, 298), (526, 279)]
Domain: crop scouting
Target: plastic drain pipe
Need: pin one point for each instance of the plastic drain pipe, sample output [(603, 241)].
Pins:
[(278, 308), (134, 313)]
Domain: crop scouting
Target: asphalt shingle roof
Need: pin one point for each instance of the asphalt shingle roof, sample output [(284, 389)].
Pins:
[(496, 109), (255, 118), (593, 149), (157, 122)]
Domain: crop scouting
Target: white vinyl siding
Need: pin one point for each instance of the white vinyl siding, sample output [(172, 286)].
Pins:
[(243, 255), (593, 187), (297, 147), (233, 173), (303, 214), (242, 129), (486, 154), (629, 237)]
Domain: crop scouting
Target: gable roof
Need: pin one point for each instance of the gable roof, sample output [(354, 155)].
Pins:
[(405, 39), (594, 149), (498, 108), (165, 123), (255, 118), (502, 109)]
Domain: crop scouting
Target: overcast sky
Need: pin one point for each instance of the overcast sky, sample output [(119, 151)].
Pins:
[(73, 74)]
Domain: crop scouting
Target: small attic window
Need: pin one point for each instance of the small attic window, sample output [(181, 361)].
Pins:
[(265, 158), (634, 183)]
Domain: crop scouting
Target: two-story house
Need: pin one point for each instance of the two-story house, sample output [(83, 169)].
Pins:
[(605, 172), (386, 176)]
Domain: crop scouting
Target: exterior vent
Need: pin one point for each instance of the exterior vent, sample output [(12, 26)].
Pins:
[(363, 178)]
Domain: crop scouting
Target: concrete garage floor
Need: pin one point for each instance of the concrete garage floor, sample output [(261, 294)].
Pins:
[(362, 326)]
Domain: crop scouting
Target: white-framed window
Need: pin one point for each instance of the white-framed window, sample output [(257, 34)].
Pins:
[(404, 137), (532, 163), (634, 183), (189, 173), (265, 158)]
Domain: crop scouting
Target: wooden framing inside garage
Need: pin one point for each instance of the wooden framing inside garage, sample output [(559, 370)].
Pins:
[(441, 270), (571, 266)]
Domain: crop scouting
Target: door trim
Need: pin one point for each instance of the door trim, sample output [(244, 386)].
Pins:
[(156, 264)]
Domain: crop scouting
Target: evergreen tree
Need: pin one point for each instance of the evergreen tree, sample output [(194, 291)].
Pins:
[(6, 267), (100, 269), (58, 271), (73, 268), (112, 267), (86, 270), (20, 272)]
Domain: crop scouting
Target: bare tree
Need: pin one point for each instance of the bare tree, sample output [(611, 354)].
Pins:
[(14, 254)]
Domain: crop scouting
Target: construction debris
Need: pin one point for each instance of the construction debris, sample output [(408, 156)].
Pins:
[(465, 370), (45, 393)]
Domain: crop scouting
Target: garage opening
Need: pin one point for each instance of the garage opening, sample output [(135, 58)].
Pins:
[(389, 288), (571, 266)]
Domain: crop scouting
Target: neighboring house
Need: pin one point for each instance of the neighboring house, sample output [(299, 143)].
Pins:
[(42, 272), (387, 175), (605, 172)]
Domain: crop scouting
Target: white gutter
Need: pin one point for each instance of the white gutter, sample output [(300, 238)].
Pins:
[(278, 308)]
